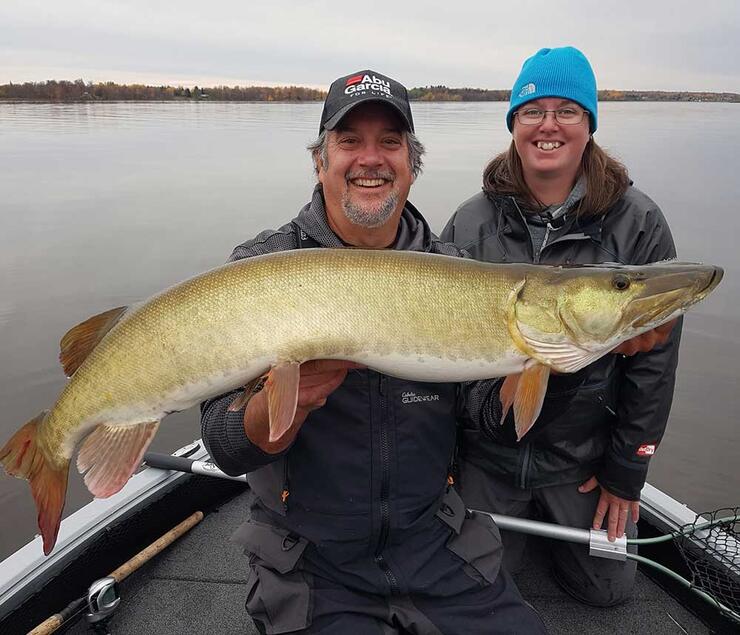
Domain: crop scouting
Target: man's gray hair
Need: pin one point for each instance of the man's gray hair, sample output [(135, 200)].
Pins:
[(319, 152)]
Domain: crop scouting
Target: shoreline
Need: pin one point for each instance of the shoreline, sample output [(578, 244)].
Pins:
[(78, 91), (730, 99)]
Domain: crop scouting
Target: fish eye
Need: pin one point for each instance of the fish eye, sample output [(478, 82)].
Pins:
[(621, 282)]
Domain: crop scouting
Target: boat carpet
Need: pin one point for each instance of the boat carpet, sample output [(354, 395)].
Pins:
[(197, 586)]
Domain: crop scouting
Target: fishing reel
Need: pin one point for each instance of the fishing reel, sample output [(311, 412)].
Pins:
[(103, 597)]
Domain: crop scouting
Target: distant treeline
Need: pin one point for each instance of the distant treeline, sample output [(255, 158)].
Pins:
[(79, 90), (443, 93), (110, 91)]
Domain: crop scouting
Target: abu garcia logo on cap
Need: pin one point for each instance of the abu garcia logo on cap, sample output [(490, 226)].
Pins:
[(362, 83)]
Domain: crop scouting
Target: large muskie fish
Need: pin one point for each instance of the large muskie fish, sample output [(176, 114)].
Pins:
[(412, 315)]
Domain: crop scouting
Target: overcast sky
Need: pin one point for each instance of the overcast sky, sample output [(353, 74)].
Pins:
[(646, 44)]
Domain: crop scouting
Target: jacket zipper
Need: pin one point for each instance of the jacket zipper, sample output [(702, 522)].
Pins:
[(525, 466), (548, 229), (535, 253), (536, 260), (286, 485), (385, 484), (537, 256)]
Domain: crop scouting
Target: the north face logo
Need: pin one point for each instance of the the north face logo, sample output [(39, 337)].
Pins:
[(528, 89)]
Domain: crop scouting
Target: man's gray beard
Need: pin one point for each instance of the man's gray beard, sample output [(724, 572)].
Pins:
[(370, 218)]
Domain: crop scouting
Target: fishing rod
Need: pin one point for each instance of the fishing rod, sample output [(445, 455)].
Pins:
[(709, 547), (103, 595)]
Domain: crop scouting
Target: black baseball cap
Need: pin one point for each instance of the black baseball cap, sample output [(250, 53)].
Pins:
[(358, 88)]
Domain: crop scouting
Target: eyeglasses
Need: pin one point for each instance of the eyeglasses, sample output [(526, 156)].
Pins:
[(567, 116)]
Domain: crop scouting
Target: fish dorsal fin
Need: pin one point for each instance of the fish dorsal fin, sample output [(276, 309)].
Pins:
[(110, 455), (282, 397), (81, 339)]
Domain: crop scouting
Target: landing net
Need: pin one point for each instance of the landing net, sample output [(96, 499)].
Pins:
[(710, 547)]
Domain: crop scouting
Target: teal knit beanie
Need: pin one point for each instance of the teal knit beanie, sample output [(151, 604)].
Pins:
[(560, 72)]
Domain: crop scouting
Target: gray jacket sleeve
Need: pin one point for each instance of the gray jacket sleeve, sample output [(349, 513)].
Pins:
[(224, 437), (223, 431)]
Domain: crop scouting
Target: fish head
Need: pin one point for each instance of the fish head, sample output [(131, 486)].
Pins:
[(572, 316)]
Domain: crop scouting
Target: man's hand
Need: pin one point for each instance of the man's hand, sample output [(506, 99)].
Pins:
[(647, 341), (319, 378), (617, 508)]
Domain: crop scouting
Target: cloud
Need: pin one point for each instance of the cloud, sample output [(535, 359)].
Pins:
[(638, 45)]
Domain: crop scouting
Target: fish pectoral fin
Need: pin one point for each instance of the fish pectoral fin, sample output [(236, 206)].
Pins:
[(251, 388), (507, 393), (81, 339), (560, 351), (111, 453), (282, 397), (530, 393), (22, 457)]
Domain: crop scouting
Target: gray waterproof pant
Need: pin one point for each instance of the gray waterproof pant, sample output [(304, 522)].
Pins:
[(492, 610), (589, 579), (447, 573)]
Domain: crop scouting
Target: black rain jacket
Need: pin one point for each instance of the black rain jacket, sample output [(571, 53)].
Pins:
[(366, 479), (607, 419)]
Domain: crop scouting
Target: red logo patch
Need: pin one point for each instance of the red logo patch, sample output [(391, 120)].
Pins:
[(646, 449), (354, 80)]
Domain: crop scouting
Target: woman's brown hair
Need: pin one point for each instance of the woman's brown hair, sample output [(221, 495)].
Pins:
[(606, 180)]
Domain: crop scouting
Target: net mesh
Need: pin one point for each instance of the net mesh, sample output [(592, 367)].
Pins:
[(712, 554)]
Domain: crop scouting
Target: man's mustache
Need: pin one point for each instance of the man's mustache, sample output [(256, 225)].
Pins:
[(387, 175)]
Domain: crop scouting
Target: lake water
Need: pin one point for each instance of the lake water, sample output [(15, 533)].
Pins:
[(103, 204)]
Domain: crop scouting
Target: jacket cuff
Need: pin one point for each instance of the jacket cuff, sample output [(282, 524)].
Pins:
[(227, 442), (240, 445), (621, 477)]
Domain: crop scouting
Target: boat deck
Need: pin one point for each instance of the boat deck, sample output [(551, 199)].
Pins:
[(197, 585)]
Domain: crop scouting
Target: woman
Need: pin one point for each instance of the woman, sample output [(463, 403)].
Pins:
[(555, 197)]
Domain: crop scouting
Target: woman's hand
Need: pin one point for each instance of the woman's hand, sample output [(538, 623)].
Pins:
[(618, 510), (647, 341)]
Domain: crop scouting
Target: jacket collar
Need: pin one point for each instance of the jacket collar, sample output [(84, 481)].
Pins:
[(513, 220)]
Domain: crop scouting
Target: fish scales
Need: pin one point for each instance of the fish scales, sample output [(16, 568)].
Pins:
[(343, 304)]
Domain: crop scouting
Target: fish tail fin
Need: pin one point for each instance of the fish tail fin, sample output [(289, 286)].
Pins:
[(23, 458)]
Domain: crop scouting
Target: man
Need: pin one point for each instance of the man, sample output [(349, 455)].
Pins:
[(354, 527)]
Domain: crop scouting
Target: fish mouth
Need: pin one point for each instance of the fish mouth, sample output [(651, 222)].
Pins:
[(669, 295), (716, 278)]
